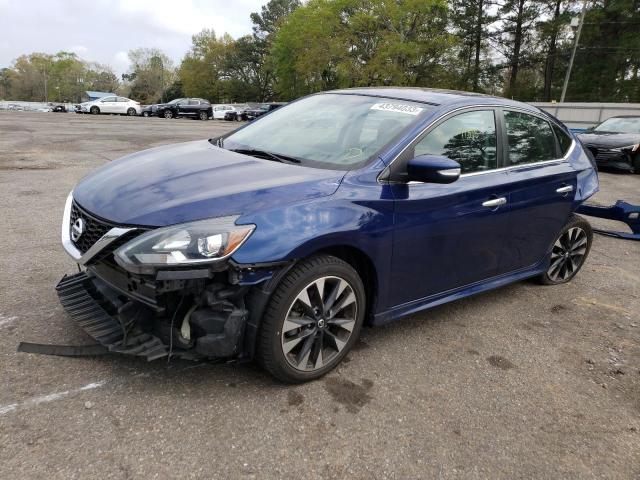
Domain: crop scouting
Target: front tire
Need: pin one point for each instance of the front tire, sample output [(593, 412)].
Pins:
[(167, 114), (94, 110), (636, 164), (569, 252), (312, 320)]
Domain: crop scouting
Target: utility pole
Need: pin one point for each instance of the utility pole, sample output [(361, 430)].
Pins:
[(573, 52), (44, 74)]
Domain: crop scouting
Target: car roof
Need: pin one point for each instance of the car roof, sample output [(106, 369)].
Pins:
[(432, 96)]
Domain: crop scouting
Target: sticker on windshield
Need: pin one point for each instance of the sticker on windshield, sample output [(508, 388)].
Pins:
[(397, 107)]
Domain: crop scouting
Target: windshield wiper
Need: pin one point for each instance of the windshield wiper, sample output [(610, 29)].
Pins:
[(265, 155)]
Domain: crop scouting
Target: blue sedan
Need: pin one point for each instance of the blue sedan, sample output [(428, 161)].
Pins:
[(279, 241)]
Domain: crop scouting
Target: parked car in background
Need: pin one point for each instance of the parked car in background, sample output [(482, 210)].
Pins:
[(220, 111), (253, 113), (280, 240), (110, 104), (236, 113), (615, 143), (58, 108), (183, 107)]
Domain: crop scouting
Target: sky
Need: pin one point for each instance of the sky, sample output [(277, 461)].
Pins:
[(104, 30)]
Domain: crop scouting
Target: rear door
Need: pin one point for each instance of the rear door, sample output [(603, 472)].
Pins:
[(449, 236), (542, 187), (122, 105), (192, 107)]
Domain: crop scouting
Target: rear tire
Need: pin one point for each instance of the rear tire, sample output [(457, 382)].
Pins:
[(203, 115), (569, 252), (94, 110), (131, 112), (312, 320)]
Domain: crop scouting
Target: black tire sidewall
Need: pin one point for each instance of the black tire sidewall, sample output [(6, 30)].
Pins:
[(204, 116), (289, 288), (167, 114), (574, 221)]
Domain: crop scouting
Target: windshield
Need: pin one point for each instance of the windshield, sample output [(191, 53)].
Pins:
[(620, 125), (330, 130)]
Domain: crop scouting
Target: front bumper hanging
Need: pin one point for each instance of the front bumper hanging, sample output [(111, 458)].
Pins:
[(74, 292), (621, 212)]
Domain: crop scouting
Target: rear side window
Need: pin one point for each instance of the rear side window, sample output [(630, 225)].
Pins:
[(563, 139), (530, 139), (468, 138)]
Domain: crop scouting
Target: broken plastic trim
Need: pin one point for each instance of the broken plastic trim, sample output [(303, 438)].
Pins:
[(621, 211), (63, 350)]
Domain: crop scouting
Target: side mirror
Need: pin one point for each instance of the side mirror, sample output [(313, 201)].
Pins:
[(433, 169)]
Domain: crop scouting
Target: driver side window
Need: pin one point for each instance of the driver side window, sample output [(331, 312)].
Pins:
[(468, 138)]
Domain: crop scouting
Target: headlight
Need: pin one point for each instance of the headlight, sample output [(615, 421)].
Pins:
[(193, 243)]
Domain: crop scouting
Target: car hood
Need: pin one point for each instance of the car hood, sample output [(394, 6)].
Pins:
[(609, 140), (195, 180)]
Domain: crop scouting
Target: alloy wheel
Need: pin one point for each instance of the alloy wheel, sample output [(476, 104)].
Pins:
[(168, 114), (319, 323), (568, 254)]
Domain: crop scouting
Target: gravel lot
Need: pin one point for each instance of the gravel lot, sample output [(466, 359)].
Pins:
[(522, 382)]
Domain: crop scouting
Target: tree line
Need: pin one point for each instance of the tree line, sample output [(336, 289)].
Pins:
[(515, 48)]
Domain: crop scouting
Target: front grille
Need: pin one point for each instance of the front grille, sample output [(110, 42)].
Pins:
[(605, 155), (94, 228)]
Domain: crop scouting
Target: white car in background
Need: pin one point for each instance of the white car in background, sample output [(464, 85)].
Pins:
[(111, 104), (219, 111)]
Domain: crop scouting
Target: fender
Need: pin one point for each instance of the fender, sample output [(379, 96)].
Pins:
[(296, 231)]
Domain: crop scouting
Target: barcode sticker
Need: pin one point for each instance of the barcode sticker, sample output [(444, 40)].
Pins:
[(398, 108)]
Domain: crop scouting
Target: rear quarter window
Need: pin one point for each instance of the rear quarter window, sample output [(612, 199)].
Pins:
[(564, 140)]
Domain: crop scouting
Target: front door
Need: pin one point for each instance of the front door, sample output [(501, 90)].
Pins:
[(449, 236), (109, 105), (543, 186)]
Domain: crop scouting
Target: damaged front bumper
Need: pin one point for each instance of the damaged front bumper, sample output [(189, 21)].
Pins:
[(191, 314)]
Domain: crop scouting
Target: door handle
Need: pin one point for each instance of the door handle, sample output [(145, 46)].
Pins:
[(565, 189), (494, 202)]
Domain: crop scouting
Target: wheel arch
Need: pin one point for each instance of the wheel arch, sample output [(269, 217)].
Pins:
[(259, 295), (364, 266)]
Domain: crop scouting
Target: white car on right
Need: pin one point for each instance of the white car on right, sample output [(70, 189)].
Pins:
[(111, 104)]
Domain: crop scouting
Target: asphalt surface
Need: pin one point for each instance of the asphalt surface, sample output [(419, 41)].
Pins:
[(522, 382)]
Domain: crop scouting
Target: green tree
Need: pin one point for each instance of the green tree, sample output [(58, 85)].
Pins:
[(345, 43), (518, 19), (472, 21), (151, 73), (203, 67), (608, 56)]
